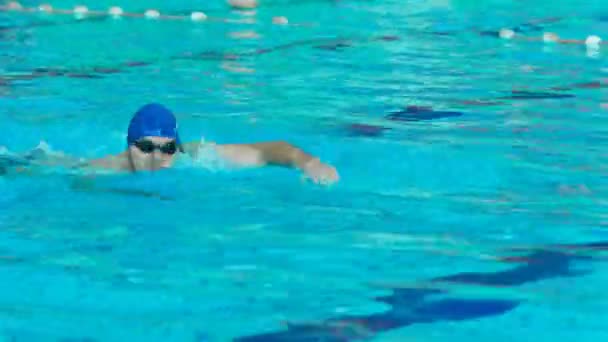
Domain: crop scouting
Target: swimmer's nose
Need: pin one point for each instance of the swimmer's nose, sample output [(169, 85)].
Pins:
[(154, 160), (158, 156)]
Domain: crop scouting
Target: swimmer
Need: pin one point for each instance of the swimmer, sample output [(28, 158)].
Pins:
[(153, 143)]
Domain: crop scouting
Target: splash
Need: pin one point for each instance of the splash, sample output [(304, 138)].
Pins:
[(205, 157), (44, 159)]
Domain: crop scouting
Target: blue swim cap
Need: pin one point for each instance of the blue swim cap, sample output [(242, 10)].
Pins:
[(153, 120)]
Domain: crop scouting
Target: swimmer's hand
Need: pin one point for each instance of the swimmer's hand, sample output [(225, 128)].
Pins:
[(320, 173)]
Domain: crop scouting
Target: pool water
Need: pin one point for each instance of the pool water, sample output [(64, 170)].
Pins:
[(470, 205)]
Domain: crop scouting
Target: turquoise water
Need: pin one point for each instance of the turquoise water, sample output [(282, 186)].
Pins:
[(205, 254)]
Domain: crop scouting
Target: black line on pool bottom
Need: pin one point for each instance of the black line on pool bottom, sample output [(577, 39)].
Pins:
[(417, 113), (38, 24), (98, 72), (334, 44), (532, 26), (531, 95), (365, 130), (412, 305)]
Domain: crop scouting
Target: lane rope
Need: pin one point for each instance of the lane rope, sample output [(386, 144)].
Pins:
[(116, 12)]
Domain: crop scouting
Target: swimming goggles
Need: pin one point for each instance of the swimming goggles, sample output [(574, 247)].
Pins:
[(147, 146)]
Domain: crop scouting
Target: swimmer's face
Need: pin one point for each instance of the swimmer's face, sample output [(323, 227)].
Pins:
[(152, 153)]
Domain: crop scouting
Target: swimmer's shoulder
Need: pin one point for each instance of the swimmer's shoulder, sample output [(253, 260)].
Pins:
[(114, 162), (191, 148), (195, 147), (233, 154)]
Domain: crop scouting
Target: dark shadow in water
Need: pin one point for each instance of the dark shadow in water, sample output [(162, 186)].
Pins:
[(365, 130), (533, 95), (37, 24), (421, 305), (531, 26), (332, 44), (409, 114), (416, 113)]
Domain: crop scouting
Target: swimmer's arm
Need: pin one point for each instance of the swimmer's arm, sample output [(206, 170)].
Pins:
[(39, 156), (278, 153), (115, 162), (111, 162)]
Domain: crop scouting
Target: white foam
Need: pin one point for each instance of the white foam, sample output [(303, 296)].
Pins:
[(206, 157), (43, 145)]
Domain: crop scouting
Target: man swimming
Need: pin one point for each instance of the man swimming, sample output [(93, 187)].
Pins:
[(154, 143)]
